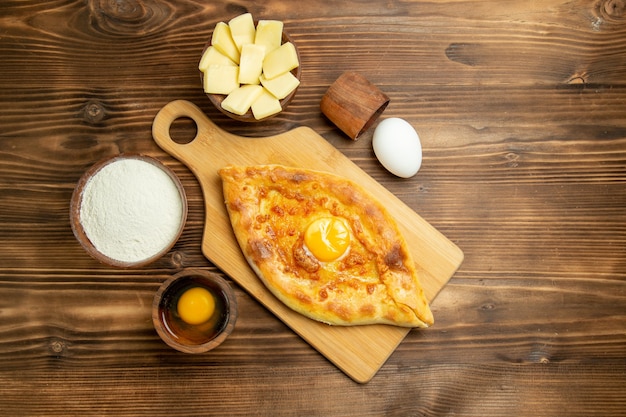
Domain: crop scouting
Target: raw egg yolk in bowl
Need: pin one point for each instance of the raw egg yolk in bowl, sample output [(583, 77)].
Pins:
[(196, 306)]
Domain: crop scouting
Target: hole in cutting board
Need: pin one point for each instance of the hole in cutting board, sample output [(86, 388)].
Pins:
[(183, 130)]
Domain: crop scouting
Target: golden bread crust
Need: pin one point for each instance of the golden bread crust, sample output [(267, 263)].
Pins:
[(376, 281)]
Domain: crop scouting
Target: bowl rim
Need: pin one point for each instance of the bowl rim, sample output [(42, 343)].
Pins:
[(217, 99), (76, 202), (231, 301)]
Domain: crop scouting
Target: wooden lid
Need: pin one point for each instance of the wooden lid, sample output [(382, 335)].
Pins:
[(353, 103)]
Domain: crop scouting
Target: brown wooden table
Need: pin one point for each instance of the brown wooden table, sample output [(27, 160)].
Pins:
[(521, 108)]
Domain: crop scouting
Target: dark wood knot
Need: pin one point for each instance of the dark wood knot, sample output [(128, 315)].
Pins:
[(129, 17), (615, 8), (178, 259), (129, 10), (611, 12), (57, 347), (512, 159), (469, 54), (93, 112)]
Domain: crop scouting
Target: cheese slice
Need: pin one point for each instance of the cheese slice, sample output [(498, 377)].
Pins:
[(224, 43), (221, 79), (240, 99), (251, 63), (265, 105), (242, 30), (213, 57), (281, 60), (280, 86), (269, 33)]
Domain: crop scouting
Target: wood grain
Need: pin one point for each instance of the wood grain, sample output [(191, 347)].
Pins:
[(520, 108)]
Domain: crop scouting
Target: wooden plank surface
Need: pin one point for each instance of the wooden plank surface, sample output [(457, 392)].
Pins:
[(358, 351), (520, 108)]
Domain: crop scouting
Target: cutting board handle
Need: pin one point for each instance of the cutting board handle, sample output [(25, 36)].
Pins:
[(177, 109)]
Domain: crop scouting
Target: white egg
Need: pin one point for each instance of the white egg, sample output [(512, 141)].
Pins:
[(397, 146)]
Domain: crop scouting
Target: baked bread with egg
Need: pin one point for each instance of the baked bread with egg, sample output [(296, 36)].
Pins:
[(324, 246)]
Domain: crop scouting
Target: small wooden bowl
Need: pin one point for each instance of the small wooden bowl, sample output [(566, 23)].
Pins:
[(75, 212), (189, 338), (217, 99)]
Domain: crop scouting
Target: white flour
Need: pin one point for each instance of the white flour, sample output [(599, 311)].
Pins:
[(131, 210)]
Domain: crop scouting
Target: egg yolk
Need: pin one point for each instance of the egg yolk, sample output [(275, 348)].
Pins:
[(196, 305), (327, 238)]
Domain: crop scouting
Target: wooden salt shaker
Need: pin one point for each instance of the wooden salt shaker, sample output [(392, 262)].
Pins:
[(353, 103)]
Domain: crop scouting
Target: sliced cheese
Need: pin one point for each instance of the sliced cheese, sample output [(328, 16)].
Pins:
[(281, 60), (250, 66), (223, 41), (221, 79), (280, 86), (269, 33), (240, 99), (242, 30), (251, 63), (265, 105), (213, 57)]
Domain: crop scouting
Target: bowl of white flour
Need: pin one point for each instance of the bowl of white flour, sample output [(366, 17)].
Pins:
[(128, 211)]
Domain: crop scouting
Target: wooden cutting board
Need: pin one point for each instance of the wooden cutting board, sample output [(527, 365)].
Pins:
[(358, 351)]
